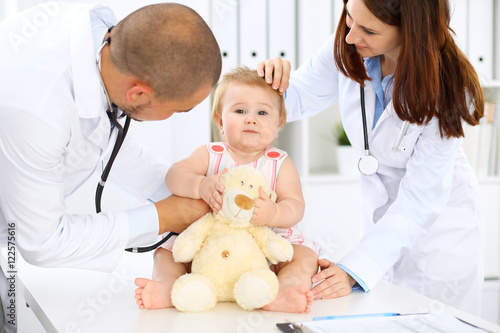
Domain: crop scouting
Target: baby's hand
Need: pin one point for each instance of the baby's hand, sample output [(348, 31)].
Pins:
[(211, 190), (264, 209)]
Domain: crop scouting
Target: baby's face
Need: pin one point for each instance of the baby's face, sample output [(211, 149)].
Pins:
[(250, 117)]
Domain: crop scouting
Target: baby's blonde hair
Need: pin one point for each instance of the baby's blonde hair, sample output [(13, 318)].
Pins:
[(247, 76)]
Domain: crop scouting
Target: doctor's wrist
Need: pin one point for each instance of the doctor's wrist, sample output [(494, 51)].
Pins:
[(177, 213), (351, 280)]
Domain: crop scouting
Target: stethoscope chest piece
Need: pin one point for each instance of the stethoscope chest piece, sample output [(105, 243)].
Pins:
[(368, 165)]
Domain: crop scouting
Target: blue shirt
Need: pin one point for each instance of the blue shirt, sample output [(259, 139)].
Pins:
[(380, 85)]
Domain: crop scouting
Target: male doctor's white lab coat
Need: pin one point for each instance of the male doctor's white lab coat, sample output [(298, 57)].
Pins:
[(54, 133), (422, 226)]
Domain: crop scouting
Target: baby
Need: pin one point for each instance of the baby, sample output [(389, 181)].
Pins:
[(249, 114)]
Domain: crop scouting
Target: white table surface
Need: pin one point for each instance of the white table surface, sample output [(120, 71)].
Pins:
[(74, 300)]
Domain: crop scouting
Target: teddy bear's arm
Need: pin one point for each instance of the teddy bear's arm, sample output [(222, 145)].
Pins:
[(274, 247), (189, 242)]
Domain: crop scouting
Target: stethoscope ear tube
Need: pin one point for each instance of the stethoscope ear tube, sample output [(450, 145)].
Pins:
[(363, 114), (151, 247), (122, 132), (367, 165)]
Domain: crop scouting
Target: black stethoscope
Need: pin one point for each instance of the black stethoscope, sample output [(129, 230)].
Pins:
[(122, 132), (367, 165)]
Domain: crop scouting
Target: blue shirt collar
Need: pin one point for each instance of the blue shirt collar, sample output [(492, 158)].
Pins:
[(383, 87)]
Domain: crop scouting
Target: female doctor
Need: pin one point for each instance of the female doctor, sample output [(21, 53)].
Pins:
[(421, 215)]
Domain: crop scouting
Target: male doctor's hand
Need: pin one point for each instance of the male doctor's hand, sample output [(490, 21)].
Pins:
[(177, 213), (336, 282), (276, 72)]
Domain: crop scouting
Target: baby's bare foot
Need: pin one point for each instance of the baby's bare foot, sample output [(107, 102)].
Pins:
[(296, 299), (152, 294)]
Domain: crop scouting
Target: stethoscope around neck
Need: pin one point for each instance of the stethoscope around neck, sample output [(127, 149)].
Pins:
[(367, 164), (122, 132)]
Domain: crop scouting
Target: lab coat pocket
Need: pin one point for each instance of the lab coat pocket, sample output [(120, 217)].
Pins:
[(390, 150)]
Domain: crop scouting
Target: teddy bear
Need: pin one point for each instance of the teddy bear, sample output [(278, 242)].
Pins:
[(230, 256)]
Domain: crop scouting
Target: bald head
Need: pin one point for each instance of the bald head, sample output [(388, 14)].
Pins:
[(169, 47)]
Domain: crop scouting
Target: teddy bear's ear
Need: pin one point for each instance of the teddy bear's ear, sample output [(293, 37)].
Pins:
[(223, 175), (272, 196)]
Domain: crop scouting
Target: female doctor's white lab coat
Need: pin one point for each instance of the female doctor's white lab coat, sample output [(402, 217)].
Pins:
[(54, 133), (422, 226)]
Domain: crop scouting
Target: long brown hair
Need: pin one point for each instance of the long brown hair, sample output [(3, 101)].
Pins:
[(433, 76)]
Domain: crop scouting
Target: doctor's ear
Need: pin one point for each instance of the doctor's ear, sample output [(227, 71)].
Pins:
[(139, 93)]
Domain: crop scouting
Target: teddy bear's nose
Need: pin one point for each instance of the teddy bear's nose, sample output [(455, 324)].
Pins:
[(243, 202)]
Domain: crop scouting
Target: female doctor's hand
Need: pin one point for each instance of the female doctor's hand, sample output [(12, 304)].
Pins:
[(276, 73), (336, 282)]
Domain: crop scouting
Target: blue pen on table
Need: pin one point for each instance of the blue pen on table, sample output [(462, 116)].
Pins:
[(367, 315)]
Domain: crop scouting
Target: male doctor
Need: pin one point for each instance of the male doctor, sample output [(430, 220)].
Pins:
[(55, 132)]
